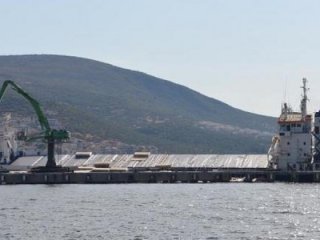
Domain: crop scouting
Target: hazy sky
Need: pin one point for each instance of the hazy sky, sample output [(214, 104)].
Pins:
[(247, 53)]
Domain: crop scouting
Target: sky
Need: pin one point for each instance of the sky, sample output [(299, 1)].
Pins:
[(251, 54)]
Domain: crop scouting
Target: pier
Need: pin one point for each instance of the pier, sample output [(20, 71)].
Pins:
[(144, 167), (213, 176)]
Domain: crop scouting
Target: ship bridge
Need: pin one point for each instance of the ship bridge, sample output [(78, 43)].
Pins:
[(291, 148)]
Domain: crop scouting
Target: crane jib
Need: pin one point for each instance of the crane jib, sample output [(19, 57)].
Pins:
[(50, 135)]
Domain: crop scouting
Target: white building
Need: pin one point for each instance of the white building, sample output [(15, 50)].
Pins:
[(8, 144)]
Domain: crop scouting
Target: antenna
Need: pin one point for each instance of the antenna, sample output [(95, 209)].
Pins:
[(284, 104), (304, 100)]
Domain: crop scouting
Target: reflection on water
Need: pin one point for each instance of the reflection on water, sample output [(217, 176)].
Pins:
[(160, 211)]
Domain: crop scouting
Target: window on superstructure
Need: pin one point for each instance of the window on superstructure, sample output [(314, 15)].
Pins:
[(288, 143), (305, 129), (316, 130), (288, 128), (282, 127)]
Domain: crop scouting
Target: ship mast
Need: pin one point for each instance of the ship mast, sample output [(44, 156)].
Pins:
[(304, 100)]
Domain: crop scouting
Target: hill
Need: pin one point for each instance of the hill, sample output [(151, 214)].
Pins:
[(112, 103)]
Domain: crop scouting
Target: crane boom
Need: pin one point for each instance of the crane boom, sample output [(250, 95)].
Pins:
[(50, 135), (36, 106)]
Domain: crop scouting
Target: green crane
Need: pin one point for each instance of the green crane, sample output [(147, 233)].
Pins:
[(51, 136)]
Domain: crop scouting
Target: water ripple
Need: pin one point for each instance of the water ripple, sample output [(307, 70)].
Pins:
[(160, 211)]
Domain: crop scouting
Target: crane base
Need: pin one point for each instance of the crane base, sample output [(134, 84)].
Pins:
[(50, 169)]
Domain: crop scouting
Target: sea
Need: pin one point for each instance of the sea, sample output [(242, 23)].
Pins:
[(160, 211)]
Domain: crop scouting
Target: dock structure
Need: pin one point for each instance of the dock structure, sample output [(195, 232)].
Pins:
[(147, 161), (151, 168)]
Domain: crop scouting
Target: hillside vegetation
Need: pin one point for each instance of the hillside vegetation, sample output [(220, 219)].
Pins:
[(91, 97)]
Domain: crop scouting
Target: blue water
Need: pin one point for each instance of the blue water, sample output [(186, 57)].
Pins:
[(161, 211)]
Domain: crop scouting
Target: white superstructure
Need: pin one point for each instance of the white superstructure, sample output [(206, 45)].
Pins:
[(8, 144), (292, 148)]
